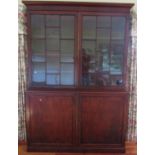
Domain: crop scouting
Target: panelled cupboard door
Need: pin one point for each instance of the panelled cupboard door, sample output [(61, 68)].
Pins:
[(102, 118), (51, 118)]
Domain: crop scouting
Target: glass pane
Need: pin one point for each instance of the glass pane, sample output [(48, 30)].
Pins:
[(67, 78), (67, 57), (52, 44), (103, 46), (38, 73), (105, 63), (67, 26), (52, 33), (52, 64), (67, 74), (89, 47), (38, 58), (103, 34), (103, 79), (117, 46), (104, 21), (37, 26), (102, 62), (88, 67), (89, 27), (89, 79), (116, 80), (67, 46), (118, 27), (38, 46), (116, 69), (67, 67), (52, 79), (52, 20), (117, 59)]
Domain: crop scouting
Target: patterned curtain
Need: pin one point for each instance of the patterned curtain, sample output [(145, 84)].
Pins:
[(22, 51), (132, 79)]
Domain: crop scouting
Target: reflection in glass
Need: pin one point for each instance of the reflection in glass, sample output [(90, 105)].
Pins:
[(67, 78), (89, 47), (67, 27), (38, 58), (85, 67), (52, 20), (102, 78), (68, 57), (52, 79), (116, 59), (67, 67), (67, 74), (116, 80), (38, 46), (104, 21), (52, 64), (52, 44), (67, 46), (89, 27), (118, 27), (102, 50), (38, 73), (52, 47), (116, 69), (37, 26), (52, 33), (117, 46), (103, 34)]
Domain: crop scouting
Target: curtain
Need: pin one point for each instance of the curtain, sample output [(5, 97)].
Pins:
[(22, 51), (132, 78)]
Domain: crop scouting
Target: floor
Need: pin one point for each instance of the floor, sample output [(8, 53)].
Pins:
[(130, 147)]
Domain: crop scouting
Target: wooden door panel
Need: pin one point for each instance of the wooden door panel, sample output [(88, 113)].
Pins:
[(101, 119), (51, 119)]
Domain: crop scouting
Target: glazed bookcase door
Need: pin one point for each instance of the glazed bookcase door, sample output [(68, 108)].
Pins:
[(102, 50), (52, 47)]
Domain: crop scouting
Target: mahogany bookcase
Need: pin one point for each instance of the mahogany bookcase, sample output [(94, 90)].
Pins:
[(76, 97)]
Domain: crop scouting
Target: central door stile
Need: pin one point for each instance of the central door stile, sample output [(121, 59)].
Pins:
[(77, 121), (79, 33)]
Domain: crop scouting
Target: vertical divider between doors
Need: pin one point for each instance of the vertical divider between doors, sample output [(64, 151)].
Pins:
[(45, 43), (110, 49), (60, 50), (77, 125), (79, 69), (79, 45)]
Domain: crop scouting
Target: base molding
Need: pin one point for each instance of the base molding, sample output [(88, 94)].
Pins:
[(76, 149), (130, 147)]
